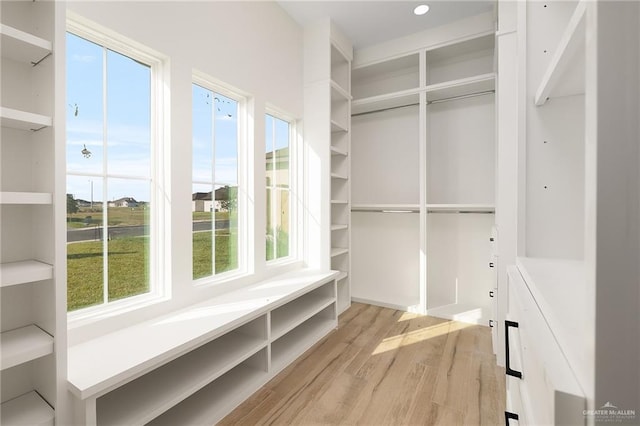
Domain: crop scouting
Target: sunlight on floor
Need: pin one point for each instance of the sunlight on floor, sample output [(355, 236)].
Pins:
[(417, 336)]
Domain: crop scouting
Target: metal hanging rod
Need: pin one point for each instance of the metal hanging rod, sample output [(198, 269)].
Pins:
[(384, 109), (453, 98), (384, 210), (460, 211)]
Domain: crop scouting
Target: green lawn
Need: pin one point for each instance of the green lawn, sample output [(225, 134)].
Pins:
[(124, 216), (128, 275)]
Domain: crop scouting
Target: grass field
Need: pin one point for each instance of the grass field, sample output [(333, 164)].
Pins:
[(124, 216), (128, 275)]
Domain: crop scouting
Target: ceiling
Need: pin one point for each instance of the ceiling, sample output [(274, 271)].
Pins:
[(367, 23)]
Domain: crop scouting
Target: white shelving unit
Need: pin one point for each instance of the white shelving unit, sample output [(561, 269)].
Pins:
[(411, 154), (33, 316), (212, 366)]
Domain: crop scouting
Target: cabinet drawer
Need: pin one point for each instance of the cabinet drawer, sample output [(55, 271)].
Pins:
[(549, 391)]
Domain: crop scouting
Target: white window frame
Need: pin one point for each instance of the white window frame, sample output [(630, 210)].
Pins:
[(245, 215), (295, 183), (159, 249)]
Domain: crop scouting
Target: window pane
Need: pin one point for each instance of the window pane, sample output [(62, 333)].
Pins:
[(128, 237), (128, 116), (226, 140), (85, 267), (271, 238), (281, 153), (203, 211), (226, 220), (282, 224), (277, 172), (84, 105), (202, 134)]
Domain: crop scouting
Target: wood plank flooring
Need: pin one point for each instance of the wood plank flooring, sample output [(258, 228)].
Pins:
[(385, 367)]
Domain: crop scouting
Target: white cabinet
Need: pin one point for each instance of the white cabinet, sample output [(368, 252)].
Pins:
[(33, 314), (423, 172)]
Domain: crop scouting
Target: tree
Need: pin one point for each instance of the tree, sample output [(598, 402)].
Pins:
[(72, 204), (229, 201)]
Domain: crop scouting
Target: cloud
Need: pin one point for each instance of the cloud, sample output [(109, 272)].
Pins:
[(83, 58)]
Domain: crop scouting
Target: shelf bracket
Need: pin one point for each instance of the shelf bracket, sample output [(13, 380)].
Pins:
[(35, 64)]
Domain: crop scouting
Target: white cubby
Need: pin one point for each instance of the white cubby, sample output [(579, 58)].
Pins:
[(21, 46), (291, 315), (28, 409), (292, 344), (389, 76), (210, 404), (340, 69), (23, 345), (145, 398), (460, 60)]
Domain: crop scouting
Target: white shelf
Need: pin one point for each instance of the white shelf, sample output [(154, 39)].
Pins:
[(339, 227), (145, 398), (293, 344), (342, 276), (291, 315), (28, 409), (461, 208), (210, 404), (337, 251), (338, 91), (26, 271), (339, 202), (462, 87), (466, 313), (337, 127), (565, 74), (23, 345), (23, 120), (386, 208), (21, 46), (337, 151), (25, 198), (339, 176), (386, 101)]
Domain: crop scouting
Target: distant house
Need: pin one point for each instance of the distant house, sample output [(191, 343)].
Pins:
[(124, 202), (202, 202)]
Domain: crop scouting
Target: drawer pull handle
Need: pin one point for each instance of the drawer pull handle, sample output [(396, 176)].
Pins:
[(490, 264), (491, 323), (508, 415), (490, 293), (491, 239), (514, 373)]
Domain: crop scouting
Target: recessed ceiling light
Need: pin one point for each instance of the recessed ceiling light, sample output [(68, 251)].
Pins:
[(421, 10)]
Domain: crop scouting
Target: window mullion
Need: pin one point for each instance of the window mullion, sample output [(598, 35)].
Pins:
[(105, 186), (213, 183), (274, 190)]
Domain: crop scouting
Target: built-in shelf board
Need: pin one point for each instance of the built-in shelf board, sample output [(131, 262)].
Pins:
[(464, 87), (23, 345), (392, 75), (28, 409), (339, 201), (342, 276), (461, 208), (386, 208), (338, 151), (339, 176), (21, 46), (145, 398), (466, 313), (338, 92), (291, 315), (27, 271), (565, 73), (385, 102), (212, 403), (338, 251), (23, 120), (25, 198), (293, 344), (339, 227), (338, 127)]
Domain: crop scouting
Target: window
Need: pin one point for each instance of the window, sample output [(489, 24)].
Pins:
[(278, 175), (112, 150), (216, 188)]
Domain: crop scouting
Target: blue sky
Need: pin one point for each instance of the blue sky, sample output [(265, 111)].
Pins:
[(128, 88)]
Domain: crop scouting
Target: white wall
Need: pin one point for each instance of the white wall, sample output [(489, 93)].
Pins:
[(253, 46)]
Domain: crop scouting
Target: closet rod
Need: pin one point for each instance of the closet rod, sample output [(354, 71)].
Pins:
[(453, 98), (384, 109), (461, 211), (385, 211)]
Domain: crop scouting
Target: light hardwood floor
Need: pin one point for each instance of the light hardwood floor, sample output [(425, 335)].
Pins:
[(385, 367)]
